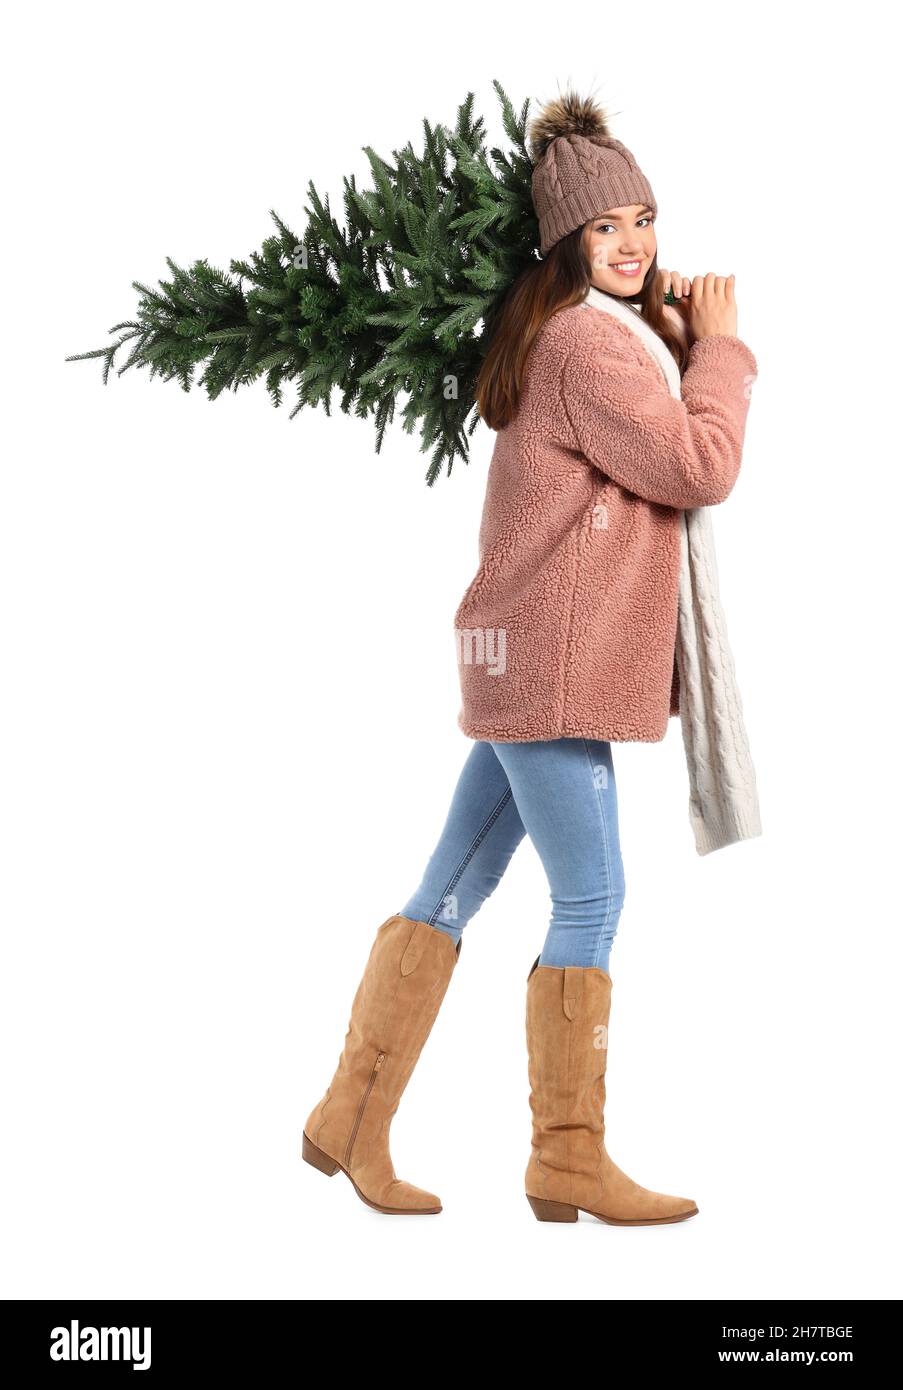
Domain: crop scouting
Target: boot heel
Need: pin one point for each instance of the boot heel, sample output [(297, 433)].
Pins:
[(317, 1158), (551, 1211)]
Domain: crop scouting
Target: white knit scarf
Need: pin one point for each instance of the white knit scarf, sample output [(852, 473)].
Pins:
[(724, 803)]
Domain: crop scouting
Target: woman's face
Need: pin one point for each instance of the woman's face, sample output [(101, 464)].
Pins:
[(621, 245)]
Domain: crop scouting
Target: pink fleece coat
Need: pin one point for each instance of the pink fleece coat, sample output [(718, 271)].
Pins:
[(568, 628)]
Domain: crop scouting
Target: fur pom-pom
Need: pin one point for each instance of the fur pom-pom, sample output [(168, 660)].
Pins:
[(566, 115)]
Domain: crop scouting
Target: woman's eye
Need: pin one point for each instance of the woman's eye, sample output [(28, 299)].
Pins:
[(605, 227), (641, 220)]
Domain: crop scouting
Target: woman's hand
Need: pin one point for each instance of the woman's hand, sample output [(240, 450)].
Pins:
[(678, 312), (678, 284), (712, 308)]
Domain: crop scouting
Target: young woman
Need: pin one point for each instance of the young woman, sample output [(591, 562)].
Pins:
[(566, 640)]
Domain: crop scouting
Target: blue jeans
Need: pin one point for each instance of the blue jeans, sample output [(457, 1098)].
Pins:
[(562, 794)]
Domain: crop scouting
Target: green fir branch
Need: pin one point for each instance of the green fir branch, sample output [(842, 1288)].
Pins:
[(384, 309)]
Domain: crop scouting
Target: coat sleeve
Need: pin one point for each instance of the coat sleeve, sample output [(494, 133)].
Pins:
[(681, 453)]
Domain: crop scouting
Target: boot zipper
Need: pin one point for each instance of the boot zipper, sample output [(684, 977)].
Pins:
[(380, 1058)]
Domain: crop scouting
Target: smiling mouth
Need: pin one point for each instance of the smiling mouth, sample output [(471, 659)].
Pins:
[(626, 267)]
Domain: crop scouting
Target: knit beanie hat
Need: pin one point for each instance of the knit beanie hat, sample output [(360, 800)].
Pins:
[(579, 169)]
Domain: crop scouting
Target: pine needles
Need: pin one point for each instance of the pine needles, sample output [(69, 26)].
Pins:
[(395, 305)]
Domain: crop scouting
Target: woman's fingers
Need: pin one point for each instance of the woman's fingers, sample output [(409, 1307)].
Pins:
[(678, 284), (712, 286), (712, 308)]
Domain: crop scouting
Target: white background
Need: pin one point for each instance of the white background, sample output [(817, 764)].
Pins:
[(229, 690)]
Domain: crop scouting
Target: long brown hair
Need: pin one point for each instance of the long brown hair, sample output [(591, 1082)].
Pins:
[(555, 283)]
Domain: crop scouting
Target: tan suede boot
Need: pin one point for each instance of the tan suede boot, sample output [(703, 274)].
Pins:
[(569, 1169), (396, 1003)]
